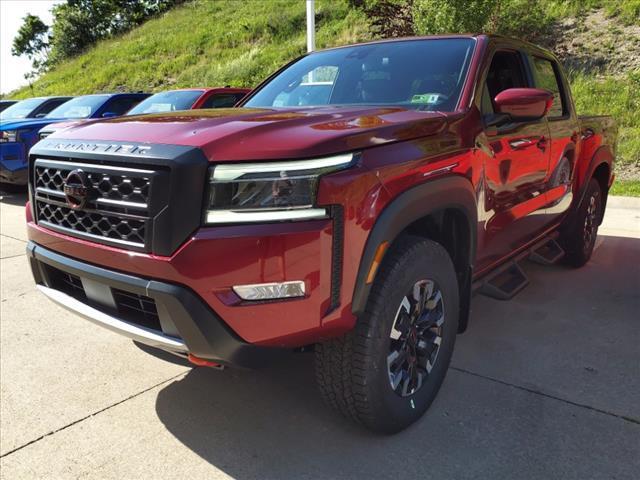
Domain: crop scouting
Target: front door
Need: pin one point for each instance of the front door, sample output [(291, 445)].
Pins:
[(516, 162), (563, 136)]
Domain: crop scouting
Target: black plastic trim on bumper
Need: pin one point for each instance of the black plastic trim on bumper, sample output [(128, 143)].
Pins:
[(204, 333)]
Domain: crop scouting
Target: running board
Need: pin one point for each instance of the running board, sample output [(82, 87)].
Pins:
[(505, 283), (547, 254)]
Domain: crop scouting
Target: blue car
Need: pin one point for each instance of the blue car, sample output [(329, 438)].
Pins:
[(36, 107), (18, 135), (4, 104)]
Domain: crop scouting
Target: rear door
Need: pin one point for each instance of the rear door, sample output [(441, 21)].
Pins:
[(516, 162)]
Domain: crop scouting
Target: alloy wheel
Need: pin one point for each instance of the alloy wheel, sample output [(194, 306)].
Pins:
[(590, 223), (415, 338)]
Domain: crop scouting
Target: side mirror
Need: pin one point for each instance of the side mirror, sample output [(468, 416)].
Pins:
[(41, 115), (109, 115), (524, 103)]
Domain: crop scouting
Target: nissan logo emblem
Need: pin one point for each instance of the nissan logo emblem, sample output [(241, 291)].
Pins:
[(76, 189)]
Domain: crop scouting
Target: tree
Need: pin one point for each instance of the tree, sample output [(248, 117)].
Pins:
[(79, 24), (32, 40)]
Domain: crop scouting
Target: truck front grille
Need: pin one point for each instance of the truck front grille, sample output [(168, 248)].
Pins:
[(117, 210)]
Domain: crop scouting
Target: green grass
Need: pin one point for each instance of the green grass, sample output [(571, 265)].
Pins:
[(627, 11), (203, 43), (617, 97), (627, 188)]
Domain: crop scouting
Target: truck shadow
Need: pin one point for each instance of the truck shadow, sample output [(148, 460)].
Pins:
[(271, 423)]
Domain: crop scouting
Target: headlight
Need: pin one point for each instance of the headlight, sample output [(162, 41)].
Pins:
[(263, 192), (9, 136)]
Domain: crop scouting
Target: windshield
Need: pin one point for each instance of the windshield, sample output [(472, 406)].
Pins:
[(21, 109), (167, 102), (79, 107), (421, 74)]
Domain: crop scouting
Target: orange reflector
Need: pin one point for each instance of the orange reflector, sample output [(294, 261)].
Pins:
[(377, 259), (201, 362)]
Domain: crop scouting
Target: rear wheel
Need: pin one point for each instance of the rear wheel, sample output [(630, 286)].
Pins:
[(387, 371), (579, 241)]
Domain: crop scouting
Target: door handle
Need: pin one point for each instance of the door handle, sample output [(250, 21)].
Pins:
[(542, 143), (522, 143)]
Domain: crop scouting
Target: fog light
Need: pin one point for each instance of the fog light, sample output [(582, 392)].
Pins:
[(270, 291)]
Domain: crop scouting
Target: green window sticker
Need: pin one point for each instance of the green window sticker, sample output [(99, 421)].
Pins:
[(426, 98)]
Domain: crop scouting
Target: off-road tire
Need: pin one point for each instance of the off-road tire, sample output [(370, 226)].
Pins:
[(352, 371), (580, 239)]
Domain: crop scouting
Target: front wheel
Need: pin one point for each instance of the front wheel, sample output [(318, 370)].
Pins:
[(386, 372), (579, 241)]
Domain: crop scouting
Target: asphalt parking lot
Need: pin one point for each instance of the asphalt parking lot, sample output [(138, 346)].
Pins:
[(544, 386)]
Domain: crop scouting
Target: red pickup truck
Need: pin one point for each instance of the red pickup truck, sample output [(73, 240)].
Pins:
[(353, 204)]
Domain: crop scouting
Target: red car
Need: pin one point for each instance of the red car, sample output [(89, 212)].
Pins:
[(353, 204), (171, 100)]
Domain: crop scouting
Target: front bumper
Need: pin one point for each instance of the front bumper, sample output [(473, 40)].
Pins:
[(186, 323)]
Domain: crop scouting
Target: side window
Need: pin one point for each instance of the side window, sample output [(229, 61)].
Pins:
[(546, 77), (50, 105), (240, 96), (121, 105), (505, 72), (487, 104), (223, 100)]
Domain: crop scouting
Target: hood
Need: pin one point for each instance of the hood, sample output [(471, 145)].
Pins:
[(31, 123), (59, 125), (254, 134)]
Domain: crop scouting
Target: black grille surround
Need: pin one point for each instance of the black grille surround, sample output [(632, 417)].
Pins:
[(142, 199)]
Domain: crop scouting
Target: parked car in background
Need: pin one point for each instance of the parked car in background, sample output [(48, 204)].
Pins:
[(36, 107), (190, 99), (356, 220), (4, 104), (18, 135), (172, 100)]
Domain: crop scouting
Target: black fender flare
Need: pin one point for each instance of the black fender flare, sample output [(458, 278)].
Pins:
[(453, 192), (602, 156)]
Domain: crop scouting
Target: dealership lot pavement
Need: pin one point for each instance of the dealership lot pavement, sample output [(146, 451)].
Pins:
[(544, 386)]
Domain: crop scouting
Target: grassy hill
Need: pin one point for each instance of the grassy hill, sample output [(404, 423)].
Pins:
[(239, 42), (203, 43)]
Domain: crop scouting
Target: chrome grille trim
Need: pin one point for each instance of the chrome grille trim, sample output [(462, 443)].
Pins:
[(106, 201), (118, 212)]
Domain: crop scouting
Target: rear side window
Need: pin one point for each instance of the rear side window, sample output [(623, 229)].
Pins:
[(546, 77), (225, 100), (50, 105), (121, 105)]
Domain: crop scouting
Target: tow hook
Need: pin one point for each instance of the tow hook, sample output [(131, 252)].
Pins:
[(201, 362)]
